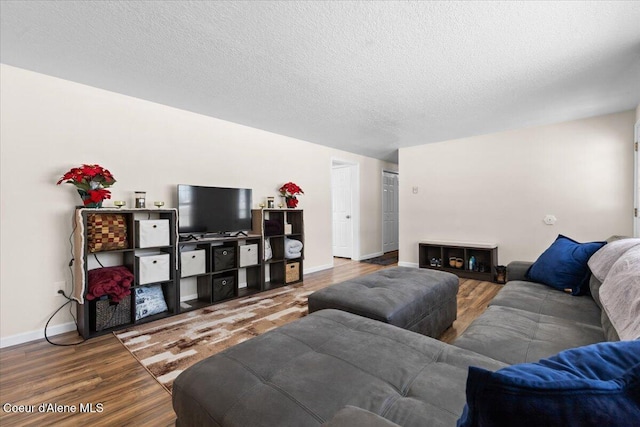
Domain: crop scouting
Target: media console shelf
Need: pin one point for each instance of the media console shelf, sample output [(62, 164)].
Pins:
[(436, 254), (215, 269), (217, 263), (231, 267)]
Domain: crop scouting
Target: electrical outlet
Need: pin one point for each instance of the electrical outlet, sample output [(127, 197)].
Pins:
[(59, 286)]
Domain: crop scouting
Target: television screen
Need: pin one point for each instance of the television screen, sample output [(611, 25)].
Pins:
[(213, 209)]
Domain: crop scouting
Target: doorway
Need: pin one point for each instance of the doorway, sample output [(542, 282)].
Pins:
[(345, 208), (390, 222)]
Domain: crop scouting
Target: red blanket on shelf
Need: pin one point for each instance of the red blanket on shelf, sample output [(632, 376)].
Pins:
[(114, 282)]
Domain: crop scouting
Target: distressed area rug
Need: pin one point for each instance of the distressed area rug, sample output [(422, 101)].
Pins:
[(169, 346)]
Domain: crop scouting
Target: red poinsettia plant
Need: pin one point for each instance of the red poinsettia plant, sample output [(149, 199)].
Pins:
[(289, 191), (91, 182)]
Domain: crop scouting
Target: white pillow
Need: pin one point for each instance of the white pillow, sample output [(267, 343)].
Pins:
[(620, 294), (268, 253), (601, 262)]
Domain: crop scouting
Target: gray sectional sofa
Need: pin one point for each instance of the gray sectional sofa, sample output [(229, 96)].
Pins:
[(340, 369), (529, 321)]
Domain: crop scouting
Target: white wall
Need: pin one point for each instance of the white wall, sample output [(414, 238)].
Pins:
[(497, 188), (636, 228), (49, 125)]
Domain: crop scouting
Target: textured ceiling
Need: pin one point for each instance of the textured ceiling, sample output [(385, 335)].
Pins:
[(366, 77)]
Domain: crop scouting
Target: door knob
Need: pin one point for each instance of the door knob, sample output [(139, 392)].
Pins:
[(348, 216)]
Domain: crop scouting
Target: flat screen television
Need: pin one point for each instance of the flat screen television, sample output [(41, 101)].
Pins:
[(213, 210)]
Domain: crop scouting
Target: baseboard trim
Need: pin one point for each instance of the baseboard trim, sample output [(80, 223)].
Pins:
[(407, 264), (368, 256), (36, 335), (318, 268)]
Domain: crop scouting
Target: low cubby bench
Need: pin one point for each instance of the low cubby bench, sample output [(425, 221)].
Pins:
[(419, 300)]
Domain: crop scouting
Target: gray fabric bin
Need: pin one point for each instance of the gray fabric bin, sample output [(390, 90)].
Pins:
[(223, 288), (224, 258)]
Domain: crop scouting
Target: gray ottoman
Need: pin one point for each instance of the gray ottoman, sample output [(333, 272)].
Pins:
[(420, 300)]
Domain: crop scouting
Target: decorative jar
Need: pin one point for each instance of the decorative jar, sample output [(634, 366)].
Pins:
[(141, 197)]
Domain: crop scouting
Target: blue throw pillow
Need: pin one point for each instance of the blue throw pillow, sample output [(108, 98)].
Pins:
[(595, 385), (564, 265), (149, 301)]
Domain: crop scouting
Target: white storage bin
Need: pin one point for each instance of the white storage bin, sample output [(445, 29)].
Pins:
[(248, 255), (192, 263), (152, 268), (152, 233)]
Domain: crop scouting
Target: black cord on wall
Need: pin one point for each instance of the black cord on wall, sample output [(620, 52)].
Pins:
[(69, 299)]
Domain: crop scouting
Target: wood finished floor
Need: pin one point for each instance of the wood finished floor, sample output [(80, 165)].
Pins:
[(102, 371)]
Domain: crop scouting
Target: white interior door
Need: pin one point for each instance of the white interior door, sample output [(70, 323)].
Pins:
[(390, 226), (342, 211)]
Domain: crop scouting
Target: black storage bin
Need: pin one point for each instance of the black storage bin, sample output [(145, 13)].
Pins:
[(272, 227), (105, 314), (224, 258), (223, 288)]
